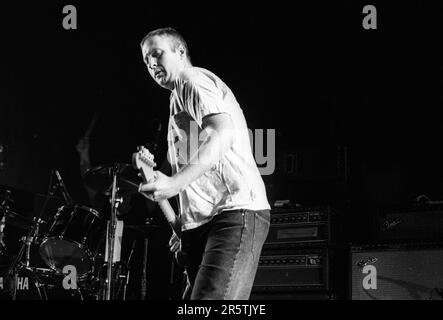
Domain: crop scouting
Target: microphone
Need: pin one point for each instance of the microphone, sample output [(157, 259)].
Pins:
[(65, 192)]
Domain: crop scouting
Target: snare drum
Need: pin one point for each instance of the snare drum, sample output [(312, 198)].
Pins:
[(72, 239)]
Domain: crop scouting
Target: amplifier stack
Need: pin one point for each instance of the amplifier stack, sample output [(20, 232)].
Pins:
[(405, 259), (296, 257)]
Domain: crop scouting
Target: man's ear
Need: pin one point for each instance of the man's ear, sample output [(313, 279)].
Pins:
[(182, 51)]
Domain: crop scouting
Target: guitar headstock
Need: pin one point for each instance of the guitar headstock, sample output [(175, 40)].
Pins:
[(143, 160)]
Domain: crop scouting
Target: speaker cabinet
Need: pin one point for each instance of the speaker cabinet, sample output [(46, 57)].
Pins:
[(397, 272)]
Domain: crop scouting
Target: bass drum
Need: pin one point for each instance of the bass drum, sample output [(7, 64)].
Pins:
[(37, 285)]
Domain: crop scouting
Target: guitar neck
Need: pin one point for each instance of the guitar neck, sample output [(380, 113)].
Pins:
[(170, 216), (167, 210), (143, 161)]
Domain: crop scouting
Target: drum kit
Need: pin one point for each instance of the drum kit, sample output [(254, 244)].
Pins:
[(64, 254)]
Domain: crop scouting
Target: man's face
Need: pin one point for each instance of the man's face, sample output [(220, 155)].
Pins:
[(163, 63)]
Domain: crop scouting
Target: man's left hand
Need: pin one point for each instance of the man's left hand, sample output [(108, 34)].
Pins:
[(161, 187)]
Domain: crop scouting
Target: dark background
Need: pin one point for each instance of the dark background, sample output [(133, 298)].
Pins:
[(311, 72)]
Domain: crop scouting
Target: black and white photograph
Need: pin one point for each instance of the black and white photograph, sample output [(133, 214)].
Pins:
[(244, 152)]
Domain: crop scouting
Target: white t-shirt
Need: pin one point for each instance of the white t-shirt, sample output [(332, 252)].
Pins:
[(235, 181)]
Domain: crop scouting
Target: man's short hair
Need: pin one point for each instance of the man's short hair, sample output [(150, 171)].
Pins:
[(176, 38)]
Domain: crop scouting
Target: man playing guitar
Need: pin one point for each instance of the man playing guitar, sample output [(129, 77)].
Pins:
[(224, 212)]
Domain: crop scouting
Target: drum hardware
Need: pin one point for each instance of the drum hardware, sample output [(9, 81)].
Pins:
[(14, 219), (128, 272), (118, 200), (11, 199), (72, 239), (115, 171), (124, 280), (69, 241), (33, 239), (40, 284), (101, 179), (56, 217), (3, 208), (6, 197), (24, 249), (19, 200), (114, 181), (64, 190)]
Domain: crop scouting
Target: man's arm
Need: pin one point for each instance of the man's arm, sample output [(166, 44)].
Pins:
[(218, 133), (218, 137)]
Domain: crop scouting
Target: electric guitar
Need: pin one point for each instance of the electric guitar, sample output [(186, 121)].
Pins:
[(143, 161)]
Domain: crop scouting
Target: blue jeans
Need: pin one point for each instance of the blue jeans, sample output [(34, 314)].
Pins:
[(223, 254)]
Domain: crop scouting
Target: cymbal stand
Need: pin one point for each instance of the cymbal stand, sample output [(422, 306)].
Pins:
[(111, 235), (128, 271), (30, 239), (145, 264)]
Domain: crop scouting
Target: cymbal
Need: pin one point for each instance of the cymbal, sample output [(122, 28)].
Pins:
[(100, 178)]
